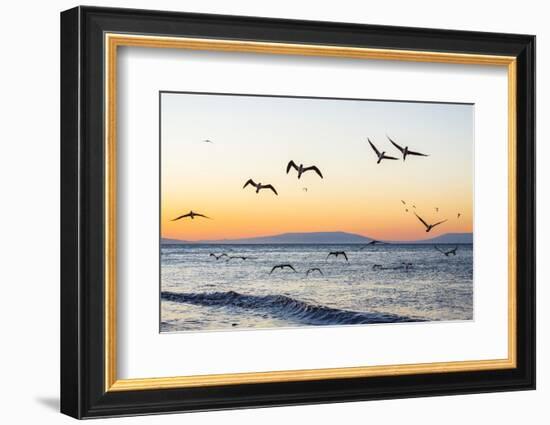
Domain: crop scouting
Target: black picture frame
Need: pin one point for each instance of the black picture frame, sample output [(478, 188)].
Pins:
[(83, 392)]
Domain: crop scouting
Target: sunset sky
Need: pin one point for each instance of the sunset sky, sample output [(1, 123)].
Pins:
[(255, 137)]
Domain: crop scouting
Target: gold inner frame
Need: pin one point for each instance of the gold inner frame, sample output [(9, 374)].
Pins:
[(113, 41)]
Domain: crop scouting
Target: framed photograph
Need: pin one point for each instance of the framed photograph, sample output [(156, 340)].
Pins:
[(261, 212)]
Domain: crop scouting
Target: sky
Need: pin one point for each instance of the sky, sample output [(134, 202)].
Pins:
[(255, 137)]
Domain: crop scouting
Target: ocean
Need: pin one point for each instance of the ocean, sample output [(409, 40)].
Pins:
[(200, 293)]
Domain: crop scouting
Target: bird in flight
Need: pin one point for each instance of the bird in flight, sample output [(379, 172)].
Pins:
[(429, 226), (405, 151), (217, 257), (192, 215), (301, 169), (207, 141), (381, 155), (315, 269), (373, 242), (458, 215), (337, 254), (282, 266), (447, 253), (238, 257), (260, 186)]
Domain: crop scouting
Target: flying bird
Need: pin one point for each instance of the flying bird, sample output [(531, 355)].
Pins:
[(192, 215), (405, 151), (301, 169), (373, 242), (260, 186), (458, 215), (429, 226), (447, 253), (217, 257), (337, 254), (381, 155), (282, 266), (315, 269), (207, 141), (238, 257)]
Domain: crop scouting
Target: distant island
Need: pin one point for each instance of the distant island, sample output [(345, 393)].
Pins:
[(325, 238)]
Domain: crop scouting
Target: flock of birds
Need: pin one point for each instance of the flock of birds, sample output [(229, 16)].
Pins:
[(300, 170), (402, 266)]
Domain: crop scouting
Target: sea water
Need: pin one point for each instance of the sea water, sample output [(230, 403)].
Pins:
[(198, 292)]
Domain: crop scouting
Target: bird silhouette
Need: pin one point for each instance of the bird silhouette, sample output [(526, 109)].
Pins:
[(458, 215), (282, 266), (217, 257), (192, 215), (301, 169), (238, 257), (207, 141), (373, 242), (447, 253), (405, 151), (337, 254), (314, 269), (429, 226), (260, 186), (381, 155)]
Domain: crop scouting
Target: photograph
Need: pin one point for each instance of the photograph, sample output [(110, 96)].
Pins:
[(287, 211)]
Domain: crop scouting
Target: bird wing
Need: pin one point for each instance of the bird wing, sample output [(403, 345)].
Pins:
[(373, 147), (290, 266), (416, 153), (314, 168), (395, 144), (182, 216), (345, 256), (274, 268), (439, 249), (423, 222), (388, 157), (439, 222), (290, 165), (307, 273), (249, 181), (224, 255), (202, 215), (403, 202), (320, 271), (213, 255), (269, 186), (331, 253)]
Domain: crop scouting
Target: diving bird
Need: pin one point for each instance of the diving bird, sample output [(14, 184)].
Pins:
[(282, 266), (217, 257), (192, 215), (260, 186), (381, 155), (315, 269), (405, 151), (337, 254), (447, 253), (429, 226), (301, 169)]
